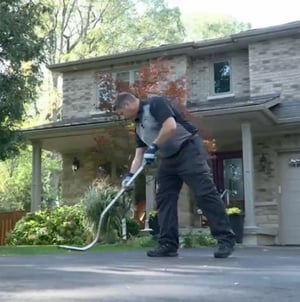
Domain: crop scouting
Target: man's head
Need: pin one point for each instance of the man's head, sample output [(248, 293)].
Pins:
[(127, 105)]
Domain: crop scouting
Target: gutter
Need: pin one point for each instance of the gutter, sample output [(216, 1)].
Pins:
[(265, 108), (59, 131)]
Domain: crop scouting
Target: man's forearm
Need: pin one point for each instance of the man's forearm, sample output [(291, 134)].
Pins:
[(136, 163), (165, 132)]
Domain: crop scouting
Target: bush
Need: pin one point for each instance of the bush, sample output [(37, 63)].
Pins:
[(95, 201), (133, 227), (63, 225), (143, 241), (197, 239), (205, 239)]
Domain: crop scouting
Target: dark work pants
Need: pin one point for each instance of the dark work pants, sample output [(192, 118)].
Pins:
[(189, 166)]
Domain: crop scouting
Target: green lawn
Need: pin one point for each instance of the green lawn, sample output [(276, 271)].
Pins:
[(45, 249)]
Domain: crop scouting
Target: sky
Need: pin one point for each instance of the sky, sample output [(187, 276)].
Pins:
[(260, 13)]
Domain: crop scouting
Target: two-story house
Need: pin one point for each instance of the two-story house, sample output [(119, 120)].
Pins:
[(244, 93)]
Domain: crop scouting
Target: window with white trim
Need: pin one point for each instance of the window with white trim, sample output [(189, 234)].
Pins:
[(221, 77), (107, 85), (126, 78)]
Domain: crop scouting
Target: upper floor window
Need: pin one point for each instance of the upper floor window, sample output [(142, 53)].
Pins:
[(108, 84), (124, 79), (222, 76)]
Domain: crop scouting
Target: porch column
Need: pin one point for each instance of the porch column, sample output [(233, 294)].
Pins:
[(248, 175), (36, 181), (150, 197)]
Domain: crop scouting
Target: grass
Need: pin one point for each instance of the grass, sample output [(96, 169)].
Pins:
[(132, 244), (50, 249)]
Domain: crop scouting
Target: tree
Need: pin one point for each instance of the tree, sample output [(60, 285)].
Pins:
[(78, 29), (15, 184), (201, 26), (20, 56), (87, 28)]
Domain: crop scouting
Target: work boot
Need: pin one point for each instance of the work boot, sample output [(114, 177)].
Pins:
[(163, 251), (223, 251)]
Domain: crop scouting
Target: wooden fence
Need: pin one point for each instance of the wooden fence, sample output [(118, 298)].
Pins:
[(7, 223)]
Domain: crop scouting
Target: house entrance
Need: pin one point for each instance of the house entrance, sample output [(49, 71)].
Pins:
[(227, 170)]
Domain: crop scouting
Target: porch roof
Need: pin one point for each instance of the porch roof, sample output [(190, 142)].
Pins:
[(267, 114), (220, 118)]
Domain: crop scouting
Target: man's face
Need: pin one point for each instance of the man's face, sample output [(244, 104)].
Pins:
[(129, 110)]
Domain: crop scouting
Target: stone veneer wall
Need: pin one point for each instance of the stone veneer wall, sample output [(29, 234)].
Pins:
[(74, 184), (275, 67), (200, 75), (80, 93)]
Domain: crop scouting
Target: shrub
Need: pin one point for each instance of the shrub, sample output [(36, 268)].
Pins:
[(133, 227), (96, 199), (63, 225), (203, 238)]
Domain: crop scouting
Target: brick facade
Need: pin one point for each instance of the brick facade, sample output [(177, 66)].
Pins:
[(274, 67)]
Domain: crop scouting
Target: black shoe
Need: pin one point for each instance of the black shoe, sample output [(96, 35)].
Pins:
[(223, 251), (163, 251)]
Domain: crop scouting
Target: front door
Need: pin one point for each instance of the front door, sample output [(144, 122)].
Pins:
[(228, 176)]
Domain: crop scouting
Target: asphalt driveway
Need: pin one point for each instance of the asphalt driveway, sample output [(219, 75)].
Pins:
[(269, 274)]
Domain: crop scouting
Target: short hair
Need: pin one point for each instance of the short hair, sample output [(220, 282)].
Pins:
[(122, 97)]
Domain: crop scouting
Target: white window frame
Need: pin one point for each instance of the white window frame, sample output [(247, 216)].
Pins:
[(131, 74), (96, 110), (213, 94)]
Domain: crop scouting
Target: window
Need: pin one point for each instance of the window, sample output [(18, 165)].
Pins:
[(107, 85), (222, 72), (125, 78)]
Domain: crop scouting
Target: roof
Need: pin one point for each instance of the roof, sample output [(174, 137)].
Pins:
[(234, 103), (213, 107), (233, 41)]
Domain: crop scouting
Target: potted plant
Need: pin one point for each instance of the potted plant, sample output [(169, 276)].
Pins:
[(236, 220)]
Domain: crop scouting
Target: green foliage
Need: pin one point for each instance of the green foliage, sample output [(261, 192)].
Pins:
[(197, 239), (132, 226), (81, 29), (63, 225), (143, 241), (95, 201), (15, 183), (20, 56), (233, 210), (200, 26)]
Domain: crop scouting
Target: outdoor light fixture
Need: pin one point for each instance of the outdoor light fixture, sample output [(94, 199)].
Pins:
[(265, 164), (75, 164)]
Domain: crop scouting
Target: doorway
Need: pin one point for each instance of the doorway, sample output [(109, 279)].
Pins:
[(227, 168)]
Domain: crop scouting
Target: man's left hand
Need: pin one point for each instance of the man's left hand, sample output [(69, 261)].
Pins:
[(149, 155)]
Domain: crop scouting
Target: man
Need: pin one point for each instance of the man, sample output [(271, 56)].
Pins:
[(161, 129)]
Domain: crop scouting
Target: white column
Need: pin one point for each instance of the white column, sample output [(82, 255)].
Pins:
[(248, 175), (150, 197), (36, 182)]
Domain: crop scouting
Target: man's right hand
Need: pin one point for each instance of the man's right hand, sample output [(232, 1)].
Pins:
[(126, 179)]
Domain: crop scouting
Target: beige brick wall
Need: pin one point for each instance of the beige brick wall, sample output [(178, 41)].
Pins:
[(200, 75), (275, 67), (79, 88), (79, 94)]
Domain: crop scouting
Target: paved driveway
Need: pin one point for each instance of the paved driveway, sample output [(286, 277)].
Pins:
[(251, 274)]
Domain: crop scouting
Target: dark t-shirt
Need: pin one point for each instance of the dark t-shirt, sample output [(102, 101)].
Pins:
[(161, 109)]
